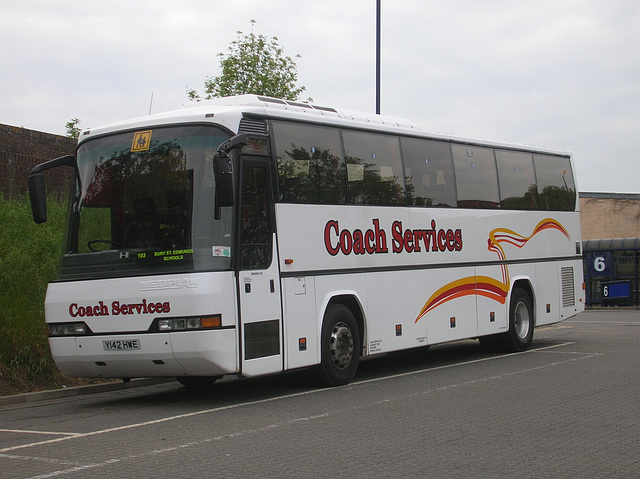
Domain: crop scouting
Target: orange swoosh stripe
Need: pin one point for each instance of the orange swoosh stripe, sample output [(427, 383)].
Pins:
[(484, 285)]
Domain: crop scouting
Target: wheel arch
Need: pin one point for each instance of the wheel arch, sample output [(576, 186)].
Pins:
[(351, 301)]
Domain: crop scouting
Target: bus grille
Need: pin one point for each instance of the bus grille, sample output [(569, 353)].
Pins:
[(252, 125), (568, 291)]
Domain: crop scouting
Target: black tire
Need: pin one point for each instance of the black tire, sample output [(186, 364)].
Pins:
[(340, 346), (521, 322), (198, 382)]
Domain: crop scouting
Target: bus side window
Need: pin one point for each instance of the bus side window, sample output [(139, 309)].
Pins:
[(518, 190), (476, 176), (375, 172), (556, 187), (310, 164), (428, 169)]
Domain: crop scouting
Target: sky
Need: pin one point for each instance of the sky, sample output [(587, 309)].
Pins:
[(559, 74)]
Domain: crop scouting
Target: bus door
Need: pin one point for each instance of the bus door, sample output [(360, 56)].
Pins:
[(258, 277)]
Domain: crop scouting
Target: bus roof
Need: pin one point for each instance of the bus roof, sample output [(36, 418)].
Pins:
[(228, 111)]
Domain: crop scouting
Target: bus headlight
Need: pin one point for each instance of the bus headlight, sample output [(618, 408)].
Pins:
[(68, 329), (165, 325), (56, 329), (192, 323)]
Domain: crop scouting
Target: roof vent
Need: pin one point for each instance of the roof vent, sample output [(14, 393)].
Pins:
[(253, 125), (267, 99)]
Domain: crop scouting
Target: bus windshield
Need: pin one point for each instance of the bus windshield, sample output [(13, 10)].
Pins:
[(144, 204)]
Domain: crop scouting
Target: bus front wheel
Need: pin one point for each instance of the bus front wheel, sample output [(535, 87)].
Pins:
[(340, 346)]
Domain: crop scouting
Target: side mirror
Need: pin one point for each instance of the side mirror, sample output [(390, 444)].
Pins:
[(223, 169), (38, 197), (223, 173), (37, 188)]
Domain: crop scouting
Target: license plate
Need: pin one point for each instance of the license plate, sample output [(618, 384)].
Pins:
[(121, 344)]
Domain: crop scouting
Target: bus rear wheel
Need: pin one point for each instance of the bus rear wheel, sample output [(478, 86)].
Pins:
[(340, 346), (521, 322)]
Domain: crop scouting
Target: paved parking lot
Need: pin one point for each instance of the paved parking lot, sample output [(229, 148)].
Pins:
[(567, 408)]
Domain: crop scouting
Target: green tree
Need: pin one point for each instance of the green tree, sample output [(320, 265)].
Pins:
[(254, 64), (73, 130)]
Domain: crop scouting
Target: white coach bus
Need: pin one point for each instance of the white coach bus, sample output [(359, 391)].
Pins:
[(250, 235)]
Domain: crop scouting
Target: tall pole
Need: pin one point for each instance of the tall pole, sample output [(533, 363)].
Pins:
[(378, 22)]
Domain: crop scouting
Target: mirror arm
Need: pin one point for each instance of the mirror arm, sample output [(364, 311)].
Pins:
[(234, 142)]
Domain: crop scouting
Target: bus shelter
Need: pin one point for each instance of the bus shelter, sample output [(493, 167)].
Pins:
[(611, 271)]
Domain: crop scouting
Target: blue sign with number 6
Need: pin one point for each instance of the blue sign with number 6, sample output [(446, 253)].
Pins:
[(599, 263)]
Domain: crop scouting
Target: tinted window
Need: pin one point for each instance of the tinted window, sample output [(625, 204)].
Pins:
[(428, 169), (145, 205), (517, 180), (556, 188), (310, 164), (476, 177), (374, 169), (256, 220)]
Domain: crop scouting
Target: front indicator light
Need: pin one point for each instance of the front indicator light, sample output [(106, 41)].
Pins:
[(212, 322)]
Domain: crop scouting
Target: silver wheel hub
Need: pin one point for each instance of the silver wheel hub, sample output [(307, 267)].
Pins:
[(522, 320), (341, 345)]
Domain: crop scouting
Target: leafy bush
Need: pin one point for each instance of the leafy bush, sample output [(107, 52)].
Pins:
[(29, 256)]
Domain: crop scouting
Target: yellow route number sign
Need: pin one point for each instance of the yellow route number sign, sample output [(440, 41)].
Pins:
[(141, 141)]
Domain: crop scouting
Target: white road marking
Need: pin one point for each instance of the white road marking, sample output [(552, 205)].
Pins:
[(46, 433), (40, 459), (78, 467), (595, 321), (264, 401), (577, 357), (159, 421), (157, 452)]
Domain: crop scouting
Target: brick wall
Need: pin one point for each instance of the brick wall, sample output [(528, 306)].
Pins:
[(21, 150), (609, 215)]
